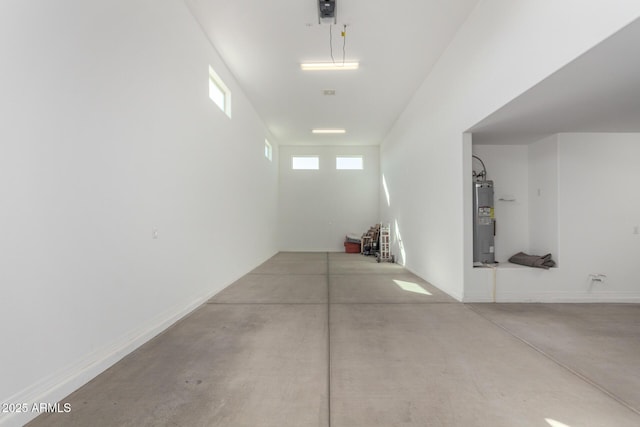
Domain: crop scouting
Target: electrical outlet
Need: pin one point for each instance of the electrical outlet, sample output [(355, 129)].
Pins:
[(636, 230), (154, 233)]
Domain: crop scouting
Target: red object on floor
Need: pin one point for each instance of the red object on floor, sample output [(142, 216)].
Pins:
[(352, 248)]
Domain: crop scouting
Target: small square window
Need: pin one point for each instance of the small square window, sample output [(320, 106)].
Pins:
[(219, 92), (349, 162), (305, 162), (268, 150)]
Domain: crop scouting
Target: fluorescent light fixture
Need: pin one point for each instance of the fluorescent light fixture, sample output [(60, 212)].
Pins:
[(328, 131), (329, 66)]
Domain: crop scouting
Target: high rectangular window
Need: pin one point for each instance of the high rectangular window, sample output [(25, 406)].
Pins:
[(268, 150), (305, 162), (219, 92), (349, 162)]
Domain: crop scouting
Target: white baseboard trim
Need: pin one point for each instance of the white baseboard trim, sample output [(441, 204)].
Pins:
[(479, 299), (314, 251), (57, 386), (557, 297), (560, 297)]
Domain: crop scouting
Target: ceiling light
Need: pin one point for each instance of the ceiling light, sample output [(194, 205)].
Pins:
[(329, 66), (328, 131)]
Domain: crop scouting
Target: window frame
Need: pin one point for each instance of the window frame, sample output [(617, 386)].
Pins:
[(268, 150), (216, 81), (301, 156), (350, 156)]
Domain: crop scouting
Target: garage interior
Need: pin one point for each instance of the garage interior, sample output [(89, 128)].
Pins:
[(178, 183)]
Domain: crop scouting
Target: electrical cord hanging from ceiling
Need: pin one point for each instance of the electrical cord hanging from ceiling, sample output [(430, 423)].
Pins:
[(331, 42), (344, 43)]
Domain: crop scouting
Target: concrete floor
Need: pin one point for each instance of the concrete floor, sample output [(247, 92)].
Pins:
[(339, 340)]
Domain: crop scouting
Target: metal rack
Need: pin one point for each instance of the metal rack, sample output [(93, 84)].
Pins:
[(384, 255)]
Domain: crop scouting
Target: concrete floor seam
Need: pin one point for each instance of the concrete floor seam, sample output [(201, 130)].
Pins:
[(394, 303), (558, 362), (328, 342), (285, 274), (265, 303)]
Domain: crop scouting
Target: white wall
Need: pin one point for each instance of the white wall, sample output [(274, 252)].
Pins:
[(318, 207), (599, 211), (543, 197), (108, 133), (502, 50)]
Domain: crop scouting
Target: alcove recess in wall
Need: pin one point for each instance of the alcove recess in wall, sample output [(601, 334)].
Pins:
[(525, 182)]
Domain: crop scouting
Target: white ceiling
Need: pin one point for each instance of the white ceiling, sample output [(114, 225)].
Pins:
[(597, 92), (263, 43)]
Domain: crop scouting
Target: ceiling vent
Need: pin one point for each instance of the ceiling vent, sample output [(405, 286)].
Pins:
[(327, 11)]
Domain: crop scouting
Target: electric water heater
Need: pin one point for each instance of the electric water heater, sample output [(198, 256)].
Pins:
[(484, 224)]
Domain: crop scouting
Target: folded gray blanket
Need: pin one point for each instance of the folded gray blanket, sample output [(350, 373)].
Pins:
[(544, 261)]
